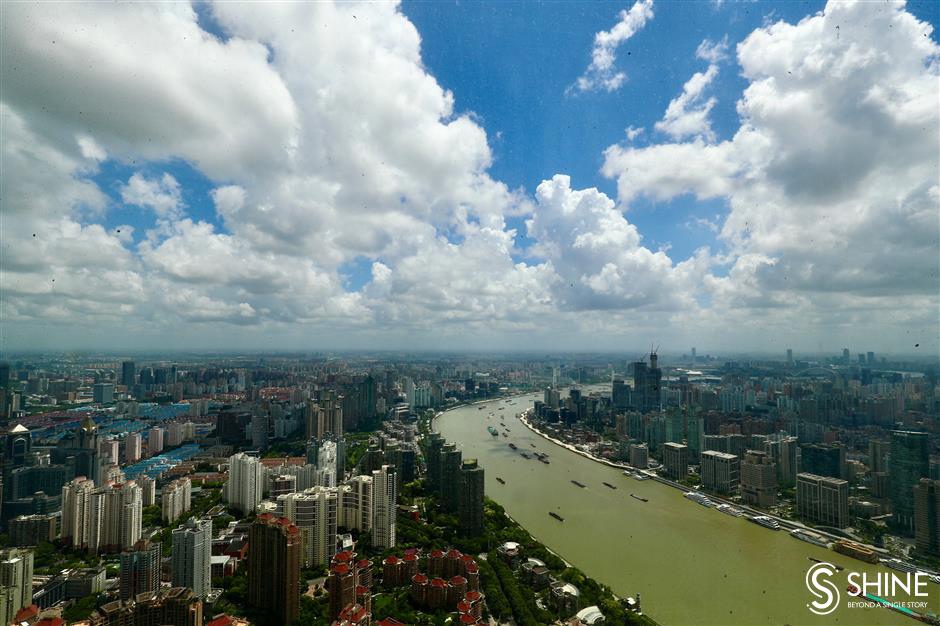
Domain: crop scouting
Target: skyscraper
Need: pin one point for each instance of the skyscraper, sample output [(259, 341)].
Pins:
[(316, 513), (822, 459), (822, 500), (721, 472), (758, 479), (132, 448), (435, 444), (155, 441), (128, 371), (384, 505), (192, 556), (676, 460), (140, 569), (175, 499), (910, 461), (245, 482), (451, 458), (274, 546), (927, 517), (470, 507)]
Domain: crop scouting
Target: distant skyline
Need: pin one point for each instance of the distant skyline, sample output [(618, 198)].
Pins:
[(474, 176)]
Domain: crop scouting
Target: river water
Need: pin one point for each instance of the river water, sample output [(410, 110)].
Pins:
[(690, 564)]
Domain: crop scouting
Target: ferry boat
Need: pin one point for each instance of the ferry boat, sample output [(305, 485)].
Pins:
[(556, 516), (492, 431), (513, 446), (810, 537), (640, 498), (766, 522), (855, 550), (500, 480), (729, 510), (700, 498), (582, 485), (609, 485)]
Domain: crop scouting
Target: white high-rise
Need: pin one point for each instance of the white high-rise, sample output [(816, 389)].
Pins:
[(16, 582), (75, 498), (174, 434), (155, 441), (102, 519), (245, 484), (192, 556), (315, 513), (356, 504), (149, 488), (384, 503), (175, 499)]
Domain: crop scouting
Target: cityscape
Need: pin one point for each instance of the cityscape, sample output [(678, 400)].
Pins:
[(409, 313)]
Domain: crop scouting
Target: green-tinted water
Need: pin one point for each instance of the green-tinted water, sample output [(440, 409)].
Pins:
[(691, 564)]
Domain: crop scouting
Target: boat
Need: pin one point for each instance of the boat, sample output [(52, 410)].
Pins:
[(500, 480), (729, 510), (641, 476), (700, 498), (532, 444), (765, 521), (810, 537), (513, 446), (609, 485), (480, 408), (640, 498), (855, 550), (525, 455), (544, 460), (582, 485), (492, 431), (505, 434), (556, 516), (627, 473), (815, 560)]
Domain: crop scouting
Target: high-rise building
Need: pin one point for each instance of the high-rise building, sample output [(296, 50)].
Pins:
[(192, 556), (910, 461), (316, 513), (676, 460), (102, 519), (245, 484), (384, 506), (619, 395), (30, 530), (176, 606), (355, 511), (174, 434), (639, 455), (274, 546), (110, 451), (175, 499), (132, 448), (259, 432), (789, 356), (647, 382), (16, 582), (878, 452), (451, 459), (758, 479), (128, 374), (470, 506), (822, 500), (140, 569), (927, 517), (103, 393), (822, 459), (435, 445), (155, 441), (721, 472)]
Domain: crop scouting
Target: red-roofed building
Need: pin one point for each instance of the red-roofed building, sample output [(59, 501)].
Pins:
[(354, 615)]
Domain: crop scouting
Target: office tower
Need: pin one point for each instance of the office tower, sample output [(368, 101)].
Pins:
[(822, 500), (927, 517), (355, 511), (132, 448), (619, 395), (822, 459), (435, 445), (646, 384), (384, 506), (274, 546), (259, 432), (910, 461), (451, 459), (245, 483), (846, 358), (192, 556), (16, 582), (140, 569), (103, 393), (155, 441), (128, 374), (721, 472), (789, 357), (470, 506), (871, 358), (758, 479), (693, 354), (696, 437), (786, 460), (676, 460), (878, 452), (175, 499), (316, 513), (639, 455)]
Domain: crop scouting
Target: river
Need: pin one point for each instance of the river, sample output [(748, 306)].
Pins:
[(691, 564)]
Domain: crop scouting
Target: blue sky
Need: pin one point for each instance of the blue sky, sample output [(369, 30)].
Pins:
[(296, 177)]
